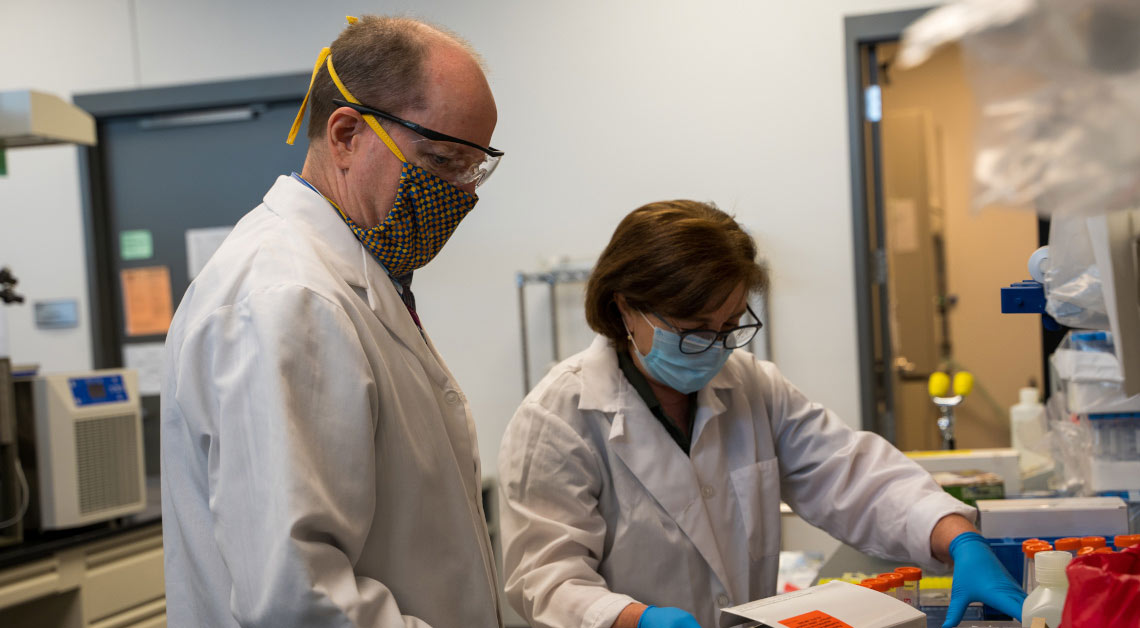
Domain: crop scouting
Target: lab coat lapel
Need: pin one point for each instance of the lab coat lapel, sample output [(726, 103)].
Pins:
[(390, 309), (312, 213), (665, 471), (710, 404)]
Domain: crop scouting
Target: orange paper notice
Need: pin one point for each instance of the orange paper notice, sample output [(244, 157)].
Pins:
[(814, 619), (147, 303)]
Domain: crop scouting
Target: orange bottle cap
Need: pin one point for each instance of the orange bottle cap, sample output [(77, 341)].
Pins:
[(1027, 542), (877, 584), (1126, 540), (893, 579), (1093, 541), (1085, 550), (1032, 550), (1068, 544), (910, 574), (1103, 550)]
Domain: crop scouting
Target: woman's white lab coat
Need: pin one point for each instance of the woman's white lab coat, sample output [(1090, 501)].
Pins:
[(319, 464), (600, 508)]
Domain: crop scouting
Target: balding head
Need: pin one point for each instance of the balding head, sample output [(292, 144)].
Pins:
[(419, 73), (384, 62)]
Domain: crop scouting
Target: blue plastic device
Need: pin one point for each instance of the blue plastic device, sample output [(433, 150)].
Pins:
[(1027, 297), (87, 391)]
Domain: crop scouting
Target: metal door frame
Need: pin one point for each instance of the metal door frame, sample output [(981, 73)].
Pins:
[(874, 380), (103, 290), (875, 383)]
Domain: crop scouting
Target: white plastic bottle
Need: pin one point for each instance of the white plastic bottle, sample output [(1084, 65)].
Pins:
[(1048, 599), (1027, 429)]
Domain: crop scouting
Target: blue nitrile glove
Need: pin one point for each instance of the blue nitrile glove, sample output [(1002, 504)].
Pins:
[(980, 577), (666, 617)]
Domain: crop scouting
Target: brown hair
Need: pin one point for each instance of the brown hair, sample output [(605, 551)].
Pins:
[(381, 61), (673, 258)]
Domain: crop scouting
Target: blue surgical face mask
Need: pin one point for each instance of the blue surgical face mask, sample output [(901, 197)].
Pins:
[(683, 372)]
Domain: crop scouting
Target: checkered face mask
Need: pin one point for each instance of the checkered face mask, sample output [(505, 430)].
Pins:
[(426, 212), (427, 208)]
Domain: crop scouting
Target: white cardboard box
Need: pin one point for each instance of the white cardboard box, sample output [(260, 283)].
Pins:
[(828, 605), (1000, 461), (1065, 516)]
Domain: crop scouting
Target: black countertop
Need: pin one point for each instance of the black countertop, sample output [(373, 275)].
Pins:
[(39, 545)]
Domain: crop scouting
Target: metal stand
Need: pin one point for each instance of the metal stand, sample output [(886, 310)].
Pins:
[(552, 279), (946, 426), (10, 496)]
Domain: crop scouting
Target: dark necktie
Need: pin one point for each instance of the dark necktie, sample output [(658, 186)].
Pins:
[(408, 298)]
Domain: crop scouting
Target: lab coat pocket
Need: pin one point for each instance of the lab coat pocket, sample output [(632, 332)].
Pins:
[(757, 488)]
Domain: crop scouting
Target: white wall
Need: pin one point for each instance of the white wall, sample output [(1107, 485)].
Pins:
[(603, 106)]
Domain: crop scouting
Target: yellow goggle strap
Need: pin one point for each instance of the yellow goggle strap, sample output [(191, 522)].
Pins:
[(370, 119), (325, 52), (325, 57)]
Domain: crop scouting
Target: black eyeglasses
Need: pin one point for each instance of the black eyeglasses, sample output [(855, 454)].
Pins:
[(701, 340), (422, 130)]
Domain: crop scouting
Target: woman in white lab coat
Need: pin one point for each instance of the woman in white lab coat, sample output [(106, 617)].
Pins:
[(641, 479)]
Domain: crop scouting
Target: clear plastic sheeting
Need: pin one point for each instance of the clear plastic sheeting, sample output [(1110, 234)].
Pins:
[(1057, 84), (1071, 445), (1072, 281), (1086, 368)]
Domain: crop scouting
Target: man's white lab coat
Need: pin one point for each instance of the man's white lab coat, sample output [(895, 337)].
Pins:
[(601, 508), (319, 463)]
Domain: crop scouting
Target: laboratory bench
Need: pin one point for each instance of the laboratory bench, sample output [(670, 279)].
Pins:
[(107, 575), (846, 560)]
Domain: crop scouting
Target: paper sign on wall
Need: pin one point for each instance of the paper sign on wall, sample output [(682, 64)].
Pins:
[(201, 245), (146, 358), (147, 304), (136, 244), (902, 225)]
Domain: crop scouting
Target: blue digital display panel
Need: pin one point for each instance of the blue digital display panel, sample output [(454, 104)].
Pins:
[(100, 389)]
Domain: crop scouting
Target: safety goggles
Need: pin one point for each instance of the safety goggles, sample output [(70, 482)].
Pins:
[(452, 159), (701, 340)]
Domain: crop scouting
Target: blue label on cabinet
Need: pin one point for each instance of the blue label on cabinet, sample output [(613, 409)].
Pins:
[(99, 389)]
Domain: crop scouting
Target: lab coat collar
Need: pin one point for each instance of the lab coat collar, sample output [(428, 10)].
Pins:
[(307, 210), (601, 377), (645, 447), (710, 399)]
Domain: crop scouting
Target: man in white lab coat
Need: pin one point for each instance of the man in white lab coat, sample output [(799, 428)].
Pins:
[(319, 463), (642, 478)]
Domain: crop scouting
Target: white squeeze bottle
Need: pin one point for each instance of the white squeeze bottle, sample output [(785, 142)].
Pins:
[(1027, 428), (1048, 599)]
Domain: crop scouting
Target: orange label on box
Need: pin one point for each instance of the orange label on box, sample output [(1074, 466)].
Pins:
[(814, 619)]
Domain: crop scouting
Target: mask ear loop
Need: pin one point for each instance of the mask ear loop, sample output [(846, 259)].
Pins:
[(629, 334)]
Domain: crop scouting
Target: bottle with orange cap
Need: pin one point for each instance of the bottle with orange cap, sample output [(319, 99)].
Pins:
[(895, 583), (1124, 541), (1093, 541), (911, 593), (1068, 544), (1030, 548), (877, 584)]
